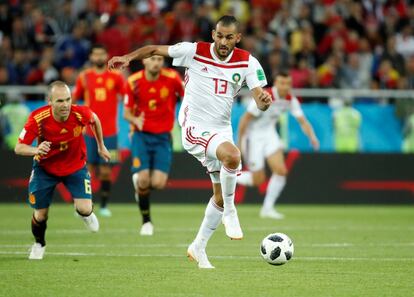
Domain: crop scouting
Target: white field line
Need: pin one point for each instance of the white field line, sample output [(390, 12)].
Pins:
[(162, 245), (252, 229), (71, 254)]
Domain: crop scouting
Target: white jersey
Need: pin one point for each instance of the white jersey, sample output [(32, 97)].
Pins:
[(266, 121), (212, 84)]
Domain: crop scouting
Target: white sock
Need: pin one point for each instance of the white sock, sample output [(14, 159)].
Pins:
[(228, 179), (135, 183), (275, 186), (212, 219), (245, 178)]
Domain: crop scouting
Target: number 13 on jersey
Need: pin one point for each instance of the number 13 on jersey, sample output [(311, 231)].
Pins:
[(220, 86)]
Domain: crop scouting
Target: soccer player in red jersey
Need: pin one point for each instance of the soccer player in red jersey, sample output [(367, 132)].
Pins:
[(151, 96), (60, 156), (100, 89)]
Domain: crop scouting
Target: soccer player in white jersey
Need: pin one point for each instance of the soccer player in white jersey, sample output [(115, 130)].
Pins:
[(259, 141), (215, 73)]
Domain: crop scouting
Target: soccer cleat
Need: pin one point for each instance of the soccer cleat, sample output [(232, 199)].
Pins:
[(199, 255), (105, 212), (91, 222), (270, 214), (232, 224), (37, 251), (147, 229)]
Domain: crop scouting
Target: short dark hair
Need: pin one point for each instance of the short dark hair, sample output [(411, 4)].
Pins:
[(228, 20), (283, 73), (97, 46)]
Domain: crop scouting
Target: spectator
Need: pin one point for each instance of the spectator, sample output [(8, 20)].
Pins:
[(391, 54), (327, 73), (18, 67), (405, 41), (387, 76), (43, 74), (65, 19), (115, 37), (72, 50)]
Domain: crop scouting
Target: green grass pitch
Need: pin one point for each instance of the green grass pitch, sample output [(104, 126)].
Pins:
[(339, 251)]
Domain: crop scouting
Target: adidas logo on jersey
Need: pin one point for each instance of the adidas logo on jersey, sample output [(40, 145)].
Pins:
[(204, 69), (63, 131)]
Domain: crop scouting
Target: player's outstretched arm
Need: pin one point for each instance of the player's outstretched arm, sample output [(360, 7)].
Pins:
[(97, 130), (308, 130), (139, 54), (28, 150), (263, 98)]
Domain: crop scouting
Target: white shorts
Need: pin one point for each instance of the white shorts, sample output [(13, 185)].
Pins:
[(258, 146), (203, 143)]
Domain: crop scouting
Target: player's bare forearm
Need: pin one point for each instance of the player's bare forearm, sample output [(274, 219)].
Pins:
[(27, 150), (97, 130), (128, 115), (139, 54), (309, 132), (263, 98), (134, 120)]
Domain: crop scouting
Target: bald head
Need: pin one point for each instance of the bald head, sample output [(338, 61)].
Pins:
[(60, 99), (57, 87)]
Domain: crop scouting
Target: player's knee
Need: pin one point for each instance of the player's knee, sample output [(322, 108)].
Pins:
[(158, 184), (232, 159), (281, 170), (83, 209), (105, 175), (144, 182), (40, 216), (259, 178)]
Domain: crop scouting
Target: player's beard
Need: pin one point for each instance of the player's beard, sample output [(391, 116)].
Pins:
[(99, 64), (227, 50)]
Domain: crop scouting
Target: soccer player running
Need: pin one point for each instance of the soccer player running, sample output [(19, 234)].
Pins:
[(215, 73), (151, 96), (59, 157), (100, 90), (259, 141)]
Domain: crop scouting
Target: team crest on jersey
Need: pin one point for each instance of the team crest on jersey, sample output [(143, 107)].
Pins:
[(205, 133), (236, 77), (77, 131), (164, 92), (99, 80), (110, 84)]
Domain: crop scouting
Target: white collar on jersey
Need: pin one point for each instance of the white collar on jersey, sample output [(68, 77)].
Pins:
[(213, 54)]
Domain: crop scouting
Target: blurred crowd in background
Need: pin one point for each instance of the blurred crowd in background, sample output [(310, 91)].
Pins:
[(323, 43), (365, 44)]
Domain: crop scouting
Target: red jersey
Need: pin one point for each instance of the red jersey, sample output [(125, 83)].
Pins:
[(156, 99), (68, 150), (100, 92)]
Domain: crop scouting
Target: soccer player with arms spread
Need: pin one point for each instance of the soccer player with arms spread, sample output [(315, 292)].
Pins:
[(259, 141), (100, 90), (215, 74), (150, 108), (60, 156)]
